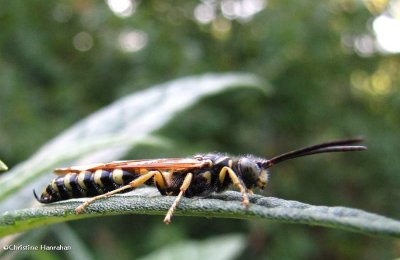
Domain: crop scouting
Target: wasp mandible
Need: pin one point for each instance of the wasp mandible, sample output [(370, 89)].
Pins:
[(199, 175)]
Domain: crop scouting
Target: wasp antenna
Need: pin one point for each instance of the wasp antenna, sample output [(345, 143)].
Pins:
[(36, 196), (335, 146)]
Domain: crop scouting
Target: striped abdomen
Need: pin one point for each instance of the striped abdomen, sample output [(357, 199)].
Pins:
[(86, 184)]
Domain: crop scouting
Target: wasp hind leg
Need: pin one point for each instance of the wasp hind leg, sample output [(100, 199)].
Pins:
[(133, 184), (185, 185), (236, 181)]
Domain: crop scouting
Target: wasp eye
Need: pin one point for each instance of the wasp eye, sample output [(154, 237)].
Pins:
[(249, 171)]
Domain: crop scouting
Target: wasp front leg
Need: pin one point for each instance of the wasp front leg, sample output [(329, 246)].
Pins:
[(133, 184), (236, 181)]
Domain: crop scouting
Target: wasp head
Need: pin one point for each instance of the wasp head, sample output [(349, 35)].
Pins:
[(252, 173), (255, 170)]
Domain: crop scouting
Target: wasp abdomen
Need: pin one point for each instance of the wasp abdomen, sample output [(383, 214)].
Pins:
[(86, 184)]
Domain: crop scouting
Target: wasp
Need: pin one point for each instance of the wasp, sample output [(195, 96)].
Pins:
[(199, 175)]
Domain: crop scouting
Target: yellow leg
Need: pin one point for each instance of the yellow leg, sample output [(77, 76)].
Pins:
[(185, 185), (133, 184), (235, 181)]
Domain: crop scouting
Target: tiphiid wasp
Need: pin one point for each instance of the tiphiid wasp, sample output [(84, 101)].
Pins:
[(199, 175)]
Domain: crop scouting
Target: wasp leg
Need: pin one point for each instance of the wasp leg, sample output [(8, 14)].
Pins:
[(236, 181), (185, 185), (133, 184)]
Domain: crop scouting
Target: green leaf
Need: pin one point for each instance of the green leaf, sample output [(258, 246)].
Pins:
[(112, 131), (217, 248), (224, 205)]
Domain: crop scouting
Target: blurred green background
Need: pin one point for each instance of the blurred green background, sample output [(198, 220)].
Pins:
[(334, 71)]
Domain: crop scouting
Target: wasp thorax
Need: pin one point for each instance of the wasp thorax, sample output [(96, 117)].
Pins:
[(251, 173)]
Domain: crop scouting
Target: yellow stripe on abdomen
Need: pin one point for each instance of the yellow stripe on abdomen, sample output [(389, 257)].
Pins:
[(117, 176), (97, 178)]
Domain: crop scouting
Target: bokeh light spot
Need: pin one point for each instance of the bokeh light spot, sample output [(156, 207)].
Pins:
[(83, 41), (132, 41)]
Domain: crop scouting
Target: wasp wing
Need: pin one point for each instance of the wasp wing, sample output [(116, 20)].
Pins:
[(151, 164)]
